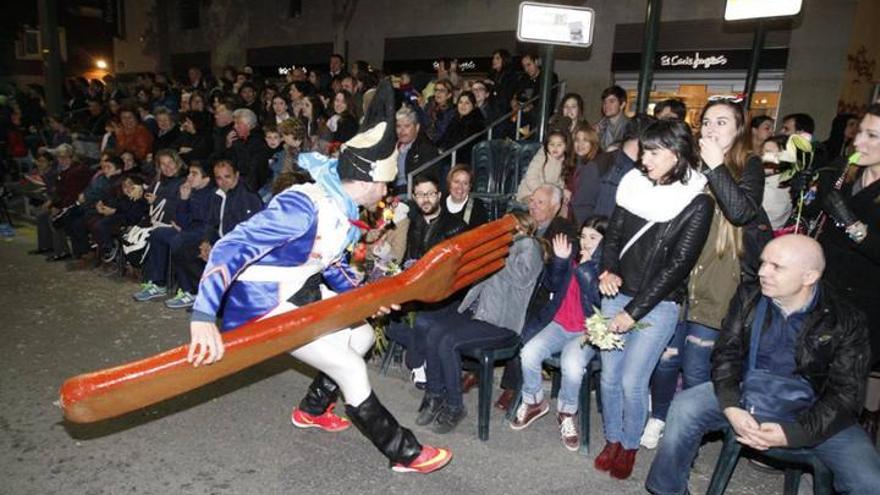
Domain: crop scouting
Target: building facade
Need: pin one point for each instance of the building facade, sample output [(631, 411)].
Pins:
[(804, 68)]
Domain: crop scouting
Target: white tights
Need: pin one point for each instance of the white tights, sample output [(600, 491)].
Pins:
[(340, 355)]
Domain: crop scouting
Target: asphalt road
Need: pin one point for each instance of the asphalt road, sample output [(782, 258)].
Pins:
[(234, 436)]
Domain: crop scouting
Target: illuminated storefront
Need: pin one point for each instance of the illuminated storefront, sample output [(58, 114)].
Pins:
[(694, 74)]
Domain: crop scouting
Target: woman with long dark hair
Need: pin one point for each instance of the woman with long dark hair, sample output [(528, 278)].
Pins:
[(344, 122), (843, 131), (851, 237), (739, 231), (466, 122), (653, 240)]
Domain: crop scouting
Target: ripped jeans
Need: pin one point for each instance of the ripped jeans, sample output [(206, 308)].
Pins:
[(696, 362), (689, 351)]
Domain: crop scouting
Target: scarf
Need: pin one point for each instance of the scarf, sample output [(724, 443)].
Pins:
[(657, 203), (323, 171)]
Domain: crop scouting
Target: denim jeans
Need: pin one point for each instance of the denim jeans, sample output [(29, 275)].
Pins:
[(849, 454), (448, 334), (664, 381), (626, 373), (414, 339), (162, 241), (549, 341), (696, 365)]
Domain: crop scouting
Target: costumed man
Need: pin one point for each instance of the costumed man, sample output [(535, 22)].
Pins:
[(291, 254)]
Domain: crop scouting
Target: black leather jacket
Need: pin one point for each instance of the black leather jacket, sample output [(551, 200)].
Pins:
[(832, 353), (422, 236), (741, 204), (657, 265)]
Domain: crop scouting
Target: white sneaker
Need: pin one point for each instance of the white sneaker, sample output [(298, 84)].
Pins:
[(653, 433), (418, 376)]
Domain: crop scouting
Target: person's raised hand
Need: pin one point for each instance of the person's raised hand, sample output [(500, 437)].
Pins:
[(711, 152), (561, 246)]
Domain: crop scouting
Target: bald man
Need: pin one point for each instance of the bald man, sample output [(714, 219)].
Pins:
[(788, 371)]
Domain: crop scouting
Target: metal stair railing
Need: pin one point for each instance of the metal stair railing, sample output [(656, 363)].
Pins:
[(487, 131)]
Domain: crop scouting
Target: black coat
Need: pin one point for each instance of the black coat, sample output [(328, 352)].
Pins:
[(476, 211), (459, 129), (251, 156), (200, 144), (657, 265), (421, 152), (741, 204), (831, 352), (853, 269), (422, 236), (167, 140)]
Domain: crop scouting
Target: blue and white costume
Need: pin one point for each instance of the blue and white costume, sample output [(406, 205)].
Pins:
[(255, 270)]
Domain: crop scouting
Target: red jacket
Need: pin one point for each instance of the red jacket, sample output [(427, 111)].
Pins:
[(139, 141), (69, 184)]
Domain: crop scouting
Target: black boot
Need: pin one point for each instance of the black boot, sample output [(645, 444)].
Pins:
[(322, 392), (397, 443), (429, 409)]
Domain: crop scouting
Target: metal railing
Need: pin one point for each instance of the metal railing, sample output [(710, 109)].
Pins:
[(487, 131)]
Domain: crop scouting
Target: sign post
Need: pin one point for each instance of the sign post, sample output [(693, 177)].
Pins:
[(553, 25), (649, 47), (737, 10)]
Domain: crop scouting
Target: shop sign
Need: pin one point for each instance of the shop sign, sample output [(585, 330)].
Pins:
[(702, 60), (695, 61)]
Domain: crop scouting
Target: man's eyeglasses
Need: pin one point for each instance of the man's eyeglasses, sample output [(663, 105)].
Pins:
[(431, 195)]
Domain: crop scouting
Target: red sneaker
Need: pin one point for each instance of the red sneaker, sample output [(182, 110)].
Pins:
[(431, 459), (623, 465), (606, 458), (327, 421)]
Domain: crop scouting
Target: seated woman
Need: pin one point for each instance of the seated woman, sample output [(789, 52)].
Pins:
[(492, 313), (459, 201), (465, 123), (563, 319)]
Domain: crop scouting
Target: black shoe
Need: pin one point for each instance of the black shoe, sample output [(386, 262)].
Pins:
[(429, 409), (448, 419), (58, 257), (39, 251), (322, 392)]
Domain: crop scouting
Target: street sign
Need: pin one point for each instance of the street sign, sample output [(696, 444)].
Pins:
[(738, 10), (555, 24)]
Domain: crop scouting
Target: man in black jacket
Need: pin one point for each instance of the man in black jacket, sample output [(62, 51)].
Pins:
[(808, 340), (430, 224), (414, 148)]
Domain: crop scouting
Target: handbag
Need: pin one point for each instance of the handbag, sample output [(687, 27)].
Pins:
[(766, 395)]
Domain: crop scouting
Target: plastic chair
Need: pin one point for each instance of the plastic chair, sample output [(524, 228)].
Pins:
[(486, 359), (793, 460), (594, 367)]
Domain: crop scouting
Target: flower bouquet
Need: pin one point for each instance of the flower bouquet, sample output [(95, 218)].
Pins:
[(597, 333)]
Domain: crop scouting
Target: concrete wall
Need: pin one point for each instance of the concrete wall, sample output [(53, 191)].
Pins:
[(819, 41), (137, 52)]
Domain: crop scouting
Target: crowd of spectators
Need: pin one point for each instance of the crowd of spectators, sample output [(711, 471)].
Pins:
[(664, 229)]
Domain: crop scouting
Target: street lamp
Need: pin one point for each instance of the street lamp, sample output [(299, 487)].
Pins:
[(759, 10)]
